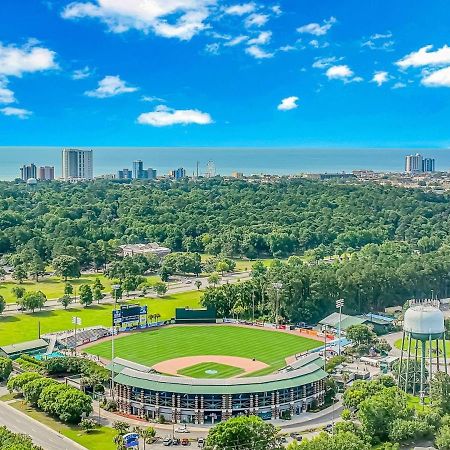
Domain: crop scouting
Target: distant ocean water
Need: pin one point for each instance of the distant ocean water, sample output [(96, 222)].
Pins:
[(226, 160)]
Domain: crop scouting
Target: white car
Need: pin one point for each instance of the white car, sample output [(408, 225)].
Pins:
[(182, 429)]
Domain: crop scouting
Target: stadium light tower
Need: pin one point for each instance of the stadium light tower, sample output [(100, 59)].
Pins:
[(277, 287), (339, 305), (116, 288)]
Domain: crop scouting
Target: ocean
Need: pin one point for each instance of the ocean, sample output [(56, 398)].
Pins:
[(282, 161)]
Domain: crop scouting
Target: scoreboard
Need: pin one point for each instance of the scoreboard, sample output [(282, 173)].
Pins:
[(130, 317)]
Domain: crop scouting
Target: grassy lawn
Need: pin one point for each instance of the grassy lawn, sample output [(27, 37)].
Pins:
[(159, 345), (216, 371), (100, 439), (53, 287), (24, 326), (398, 344), (242, 264)]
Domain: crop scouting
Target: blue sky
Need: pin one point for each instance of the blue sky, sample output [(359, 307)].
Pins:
[(301, 73)]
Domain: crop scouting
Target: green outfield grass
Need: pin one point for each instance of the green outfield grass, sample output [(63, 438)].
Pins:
[(153, 346), (24, 326), (201, 371), (53, 287)]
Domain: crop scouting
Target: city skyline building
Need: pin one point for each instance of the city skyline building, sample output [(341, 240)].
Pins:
[(428, 165), (124, 174), (413, 163), (178, 174), (28, 171), (46, 173), (77, 164)]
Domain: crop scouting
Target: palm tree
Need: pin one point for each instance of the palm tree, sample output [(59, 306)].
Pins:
[(147, 434)]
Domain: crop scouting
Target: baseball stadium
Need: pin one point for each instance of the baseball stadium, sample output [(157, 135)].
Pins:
[(201, 373)]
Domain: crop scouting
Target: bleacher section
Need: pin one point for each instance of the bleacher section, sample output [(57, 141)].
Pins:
[(66, 339)]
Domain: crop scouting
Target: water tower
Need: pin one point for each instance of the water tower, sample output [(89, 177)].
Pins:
[(423, 328)]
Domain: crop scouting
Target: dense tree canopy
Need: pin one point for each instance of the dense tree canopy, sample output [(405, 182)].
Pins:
[(234, 218)]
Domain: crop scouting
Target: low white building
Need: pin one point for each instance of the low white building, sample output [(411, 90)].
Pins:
[(143, 249)]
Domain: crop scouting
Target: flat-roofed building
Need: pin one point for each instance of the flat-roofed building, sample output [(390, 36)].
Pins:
[(142, 249)]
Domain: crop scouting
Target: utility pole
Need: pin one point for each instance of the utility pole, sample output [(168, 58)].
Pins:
[(277, 287), (339, 305)]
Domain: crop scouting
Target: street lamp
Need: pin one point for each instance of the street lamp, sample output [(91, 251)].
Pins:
[(277, 286), (339, 305), (116, 288)]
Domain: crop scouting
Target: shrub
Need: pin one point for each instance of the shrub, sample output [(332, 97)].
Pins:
[(18, 382), (33, 389), (5, 368)]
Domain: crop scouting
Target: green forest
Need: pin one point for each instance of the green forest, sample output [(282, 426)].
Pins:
[(373, 245)]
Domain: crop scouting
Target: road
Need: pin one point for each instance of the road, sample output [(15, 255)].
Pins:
[(48, 439), (174, 288)]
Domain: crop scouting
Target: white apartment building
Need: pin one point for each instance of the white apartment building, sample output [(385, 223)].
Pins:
[(413, 163), (77, 164)]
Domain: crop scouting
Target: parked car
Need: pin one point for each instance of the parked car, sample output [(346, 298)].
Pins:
[(185, 441), (182, 429), (200, 442), (176, 441), (167, 441)]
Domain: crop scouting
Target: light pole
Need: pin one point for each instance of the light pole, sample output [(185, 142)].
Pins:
[(277, 287), (339, 305), (115, 287)]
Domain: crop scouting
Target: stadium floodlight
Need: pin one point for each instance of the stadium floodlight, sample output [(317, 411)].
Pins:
[(116, 288), (339, 305), (277, 286)]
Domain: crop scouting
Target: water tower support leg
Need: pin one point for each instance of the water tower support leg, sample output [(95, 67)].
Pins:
[(407, 364), (431, 364), (445, 353), (422, 372), (401, 362), (437, 355), (415, 367)]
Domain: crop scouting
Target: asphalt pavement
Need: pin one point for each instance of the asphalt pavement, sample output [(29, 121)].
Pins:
[(47, 438)]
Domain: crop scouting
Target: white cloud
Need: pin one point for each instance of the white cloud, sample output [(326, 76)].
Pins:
[(180, 19), (379, 41), (258, 52), (263, 38), (322, 63), (288, 103), (316, 44), (15, 61), (277, 10), (212, 48), (399, 85), (380, 77), (439, 78), (425, 57), (236, 41), (6, 95), (287, 48), (240, 10), (109, 87), (343, 73), (163, 116), (256, 20), (149, 98), (316, 29), (17, 112), (80, 74)]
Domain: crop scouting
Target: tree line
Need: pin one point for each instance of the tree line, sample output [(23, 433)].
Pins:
[(219, 217)]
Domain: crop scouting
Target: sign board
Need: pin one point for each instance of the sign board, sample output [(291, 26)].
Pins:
[(131, 440), (130, 317)]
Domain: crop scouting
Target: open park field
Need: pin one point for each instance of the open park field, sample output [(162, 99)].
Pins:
[(24, 326), (53, 287), (154, 346)]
